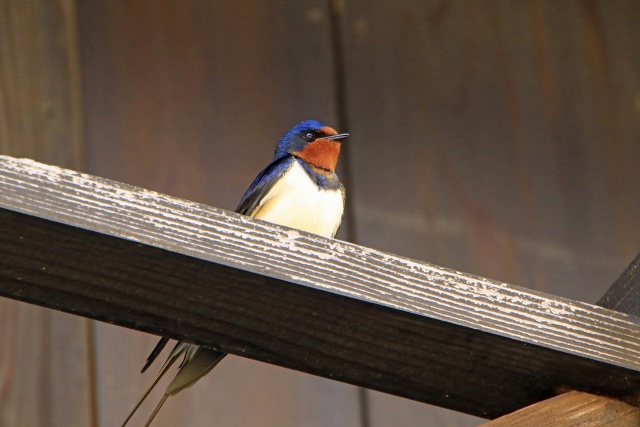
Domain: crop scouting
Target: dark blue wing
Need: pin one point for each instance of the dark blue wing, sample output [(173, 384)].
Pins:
[(263, 183)]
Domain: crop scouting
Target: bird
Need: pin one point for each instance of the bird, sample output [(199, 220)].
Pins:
[(298, 189)]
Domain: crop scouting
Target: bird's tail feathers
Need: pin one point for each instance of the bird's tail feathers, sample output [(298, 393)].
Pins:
[(197, 362), (200, 364), (175, 353), (156, 410), (154, 354)]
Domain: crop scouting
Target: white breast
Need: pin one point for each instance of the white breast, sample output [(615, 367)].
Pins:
[(296, 201)]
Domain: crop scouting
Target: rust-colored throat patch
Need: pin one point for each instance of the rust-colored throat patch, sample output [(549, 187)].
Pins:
[(321, 153)]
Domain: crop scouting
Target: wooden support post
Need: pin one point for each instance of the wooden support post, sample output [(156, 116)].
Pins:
[(624, 294), (132, 257)]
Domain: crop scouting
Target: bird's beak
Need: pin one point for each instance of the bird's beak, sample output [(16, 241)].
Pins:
[(337, 137)]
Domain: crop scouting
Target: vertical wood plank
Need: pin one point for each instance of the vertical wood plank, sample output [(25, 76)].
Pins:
[(45, 357), (497, 138), (40, 100), (189, 99)]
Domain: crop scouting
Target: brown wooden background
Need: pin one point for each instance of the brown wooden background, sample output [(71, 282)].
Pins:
[(496, 137)]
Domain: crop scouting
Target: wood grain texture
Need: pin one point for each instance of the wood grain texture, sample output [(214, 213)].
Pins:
[(189, 98), (572, 409), (45, 356), (165, 265), (496, 138)]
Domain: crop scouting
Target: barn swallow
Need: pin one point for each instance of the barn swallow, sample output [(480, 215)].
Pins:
[(298, 189)]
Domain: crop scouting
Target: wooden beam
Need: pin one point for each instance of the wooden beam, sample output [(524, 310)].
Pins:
[(624, 294), (139, 259), (572, 409)]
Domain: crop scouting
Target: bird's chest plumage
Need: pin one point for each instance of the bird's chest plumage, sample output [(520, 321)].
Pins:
[(297, 201)]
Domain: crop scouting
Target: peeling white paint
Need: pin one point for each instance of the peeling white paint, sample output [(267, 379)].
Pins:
[(331, 265)]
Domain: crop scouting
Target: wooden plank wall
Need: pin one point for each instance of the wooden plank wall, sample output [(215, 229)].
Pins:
[(498, 138), (512, 137), (46, 373)]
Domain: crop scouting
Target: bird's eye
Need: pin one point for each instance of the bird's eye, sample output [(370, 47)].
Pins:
[(309, 136)]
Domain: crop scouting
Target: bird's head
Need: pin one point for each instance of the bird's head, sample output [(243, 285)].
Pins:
[(314, 143)]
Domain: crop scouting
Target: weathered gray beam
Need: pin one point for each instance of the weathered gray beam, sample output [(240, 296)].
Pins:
[(139, 259), (624, 294)]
